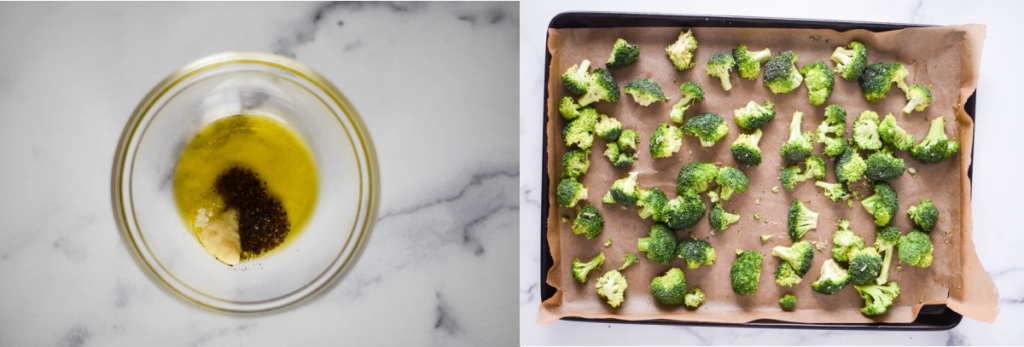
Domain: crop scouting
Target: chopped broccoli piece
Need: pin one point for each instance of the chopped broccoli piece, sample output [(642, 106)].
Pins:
[(754, 116), (608, 128), (799, 256), (670, 288), (865, 131), (580, 270), (732, 180), (608, 199), (877, 298), (697, 175), (918, 97), (924, 215), (623, 54), (764, 238), (696, 252), (883, 166), (936, 147), (749, 63), (745, 149), (575, 162), (706, 126), (628, 138), (627, 260), (786, 276), (683, 50), (713, 196), (588, 222), (801, 219), (694, 298), (788, 302), (652, 202), (746, 272), (576, 78), (692, 93), (845, 242), (820, 81), (600, 86), (814, 166), (789, 176), (660, 246), (878, 78), (569, 108), (625, 190), (916, 249), (850, 63), (799, 145), (886, 239), (892, 134), (580, 131), (719, 66), (644, 91), (865, 265), (609, 243), (612, 287), (684, 211), (883, 204), (569, 192), (849, 165), (834, 123), (618, 157), (720, 219), (666, 140), (780, 73), (834, 191), (832, 279)]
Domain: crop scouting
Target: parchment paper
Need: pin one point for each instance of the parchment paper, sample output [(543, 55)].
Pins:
[(945, 58)]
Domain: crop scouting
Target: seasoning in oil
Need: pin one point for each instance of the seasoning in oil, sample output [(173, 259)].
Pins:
[(262, 221)]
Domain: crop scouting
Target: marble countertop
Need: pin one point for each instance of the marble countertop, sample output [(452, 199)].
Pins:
[(995, 202), (418, 73)]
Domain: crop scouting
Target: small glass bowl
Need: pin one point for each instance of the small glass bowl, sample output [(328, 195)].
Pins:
[(228, 84)]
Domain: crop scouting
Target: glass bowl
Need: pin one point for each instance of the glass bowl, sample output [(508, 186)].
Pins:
[(228, 84)]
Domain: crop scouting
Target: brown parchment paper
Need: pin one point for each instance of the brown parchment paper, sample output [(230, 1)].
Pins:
[(945, 58)]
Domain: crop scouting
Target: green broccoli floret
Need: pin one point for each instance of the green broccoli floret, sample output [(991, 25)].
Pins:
[(575, 162), (696, 252), (706, 126), (580, 270), (832, 278), (924, 215), (936, 147), (865, 265), (754, 116), (764, 238), (660, 246), (697, 175), (886, 239), (883, 166), (576, 78), (628, 138), (644, 91), (746, 272), (580, 131), (588, 222), (877, 298), (749, 63), (834, 191), (625, 190), (652, 202), (618, 157), (850, 166), (850, 63), (799, 256), (627, 260), (608, 128), (789, 176), (694, 298), (883, 204), (623, 54), (878, 78), (865, 131), (814, 166), (670, 288), (568, 108), (786, 276), (684, 211), (612, 287), (799, 145), (692, 93), (681, 52), (780, 73), (720, 219), (820, 81), (788, 302), (713, 196), (666, 140), (800, 220), (745, 149), (569, 192), (732, 180), (918, 97), (719, 66), (892, 134), (834, 123), (600, 86), (916, 249), (845, 242)]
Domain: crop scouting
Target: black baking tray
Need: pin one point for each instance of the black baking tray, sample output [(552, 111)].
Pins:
[(931, 317)]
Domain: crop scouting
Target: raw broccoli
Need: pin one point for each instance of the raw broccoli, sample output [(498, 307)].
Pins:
[(865, 265), (612, 287), (618, 157), (627, 260), (833, 278), (684, 211), (892, 134), (801, 219), (625, 190), (786, 276), (719, 66), (568, 108), (851, 62), (746, 272), (764, 238), (877, 298), (697, 175), (745, 149), (580, 270), (916, 249), (849, 165), (694, 298), (883, 204), (696, 252), (780, 73), (820, 81), (789, 176), (865, 131), (660, 246), (683, 50), (608, 128), (878, 78), (882, 166), (575, 162), (936, 147), (670, 288), (652, 202), (666, 140), (569, 192), (713, 196), (754, 116), (732, 180), (706, 126), (788, 302), (845, 242), (588, 222), (720, 219), (799, 145), (834, 191), (834, 123), (886, 239), (644, 91), (749, 63), (691, 92), (924, 215), (623, 54), (814, 167), (799, 256), (580, 131), (600, 86), (576, 78), (628, 138), (918, 97)]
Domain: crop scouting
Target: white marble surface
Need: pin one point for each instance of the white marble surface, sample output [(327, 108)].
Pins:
[(432, 84), (996, 198)]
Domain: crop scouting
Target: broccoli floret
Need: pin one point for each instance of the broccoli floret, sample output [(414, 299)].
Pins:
[(883, 166), (612, 287), (706, 126), (720, 219), (696, 252), (749, 63), (832, 279), (608, 243), (697, 175), (575, 162), (865, 265), (877, 298), (924, 215), (732, 180), (883, 204), (878, 78), (892, 134), (764, 238), (851, 62), (799, 145), (684, 211), (850, 166), (660, 246), (588, 222), (916, 249), (746, 272), (691, 92), (618, 157), (580, 131), (865, 131), (754, 116), (800, 220), (820, 81), (608, 128), (745, 149), (569, 192), (780, 73), (936, 147), (580, 270), (600, 86), (670, 288), (625, 190), (834, 191), (576, 78), (627, 260), (652, 202), (681, 52), (694, 298), (918, 97), (814, 166), (845, 242), (666, 140), (713, 196), (799, 256), (623, 54), (789, 176), (719, 66), (644, 91), (786, 276), (788, 302), (886, 239), (628, 138), (834, 123), (568, 108)]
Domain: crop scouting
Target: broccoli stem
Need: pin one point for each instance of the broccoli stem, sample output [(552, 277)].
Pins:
[(725, 81), (584, 66), (869, 203), (842, 56), (760, 56), (936, 132), (589, 98), (642, 244), (884, 276), (794, 127)]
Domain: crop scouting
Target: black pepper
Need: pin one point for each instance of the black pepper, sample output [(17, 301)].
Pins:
[(262, 222)]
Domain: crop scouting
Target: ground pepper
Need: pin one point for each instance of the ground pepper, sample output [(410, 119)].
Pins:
[(262, 222)]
